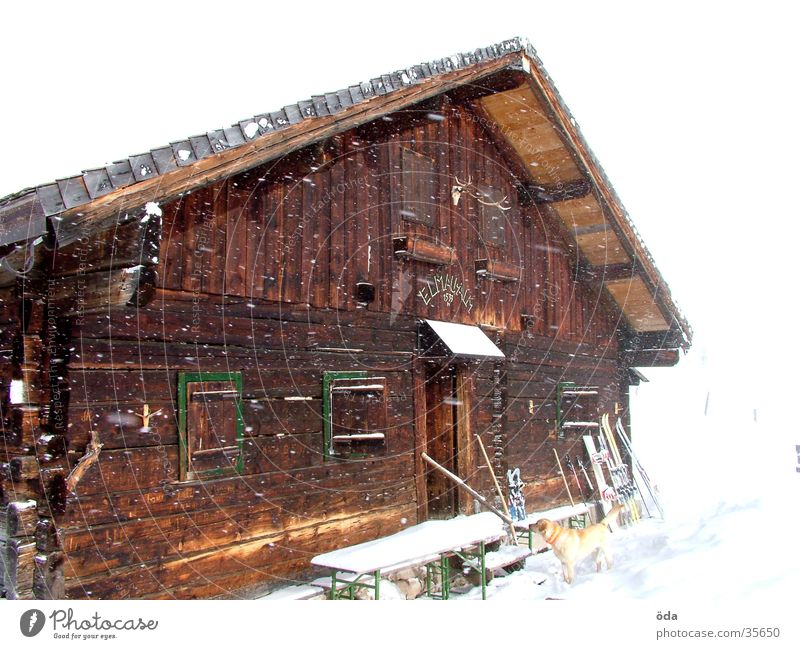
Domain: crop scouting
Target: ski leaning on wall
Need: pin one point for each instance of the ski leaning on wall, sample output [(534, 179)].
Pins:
[(638, 468), (626, 491), (607, 493)]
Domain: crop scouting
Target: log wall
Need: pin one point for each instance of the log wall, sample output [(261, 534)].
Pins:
[(257, 274)]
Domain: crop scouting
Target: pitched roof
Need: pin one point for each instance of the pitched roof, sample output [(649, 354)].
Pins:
[(70, 207)]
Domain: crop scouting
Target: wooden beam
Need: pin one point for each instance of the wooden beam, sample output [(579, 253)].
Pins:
[(131, 244), (421, 249), (631, 242), (420, 438), (607, 273), (555, 193), (591, 229), (48, 575), (669, 339), (22, 221), (21, 518), (651, 358), (500, 271), (79, 295)]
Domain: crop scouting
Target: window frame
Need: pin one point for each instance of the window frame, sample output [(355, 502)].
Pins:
[(563, 389), (328, 379), (185, 378)]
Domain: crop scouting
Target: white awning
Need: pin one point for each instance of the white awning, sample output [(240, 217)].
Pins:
[(464, 340)]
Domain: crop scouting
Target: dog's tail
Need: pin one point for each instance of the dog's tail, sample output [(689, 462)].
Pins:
[(612, 515)]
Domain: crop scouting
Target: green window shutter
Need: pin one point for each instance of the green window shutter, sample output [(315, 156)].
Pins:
[(210, 424)]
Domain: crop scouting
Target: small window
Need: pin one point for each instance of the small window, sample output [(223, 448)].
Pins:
[(210, 424), (355, 414), (577, 408), (493, 219), (420, 192)]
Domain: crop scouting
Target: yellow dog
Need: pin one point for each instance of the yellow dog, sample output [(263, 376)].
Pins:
[(570, 546)]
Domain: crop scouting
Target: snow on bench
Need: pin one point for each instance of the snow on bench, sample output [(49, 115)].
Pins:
[(415, 545), (557, 514), (298, 591)]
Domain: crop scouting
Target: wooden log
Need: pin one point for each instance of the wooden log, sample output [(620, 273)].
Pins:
[(18, 579), (11, 491), (167, 499), (124, 246), (259, 560), (24, 468), (117, 545), (78, 295), (651, 358), (495, 269), (23, 220), (21, 518), (28, 350), (556, 192), (422, 249), (47, 536), (48, 576), (24, 424)]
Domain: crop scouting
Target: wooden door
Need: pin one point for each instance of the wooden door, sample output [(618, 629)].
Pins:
[(441, 434)]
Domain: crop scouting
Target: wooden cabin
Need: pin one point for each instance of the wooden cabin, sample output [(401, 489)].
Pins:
[(226, 355)]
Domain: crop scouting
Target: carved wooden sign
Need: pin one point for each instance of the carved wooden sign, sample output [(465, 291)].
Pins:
[(449, 286)]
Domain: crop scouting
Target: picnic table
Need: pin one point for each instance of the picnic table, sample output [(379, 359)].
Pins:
[(428, 544)]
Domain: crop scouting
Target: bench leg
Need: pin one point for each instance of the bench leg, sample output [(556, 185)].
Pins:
[(442, 567), (482, 550)]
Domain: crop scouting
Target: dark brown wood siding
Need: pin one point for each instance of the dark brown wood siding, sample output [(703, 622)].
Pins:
[(257, 275)]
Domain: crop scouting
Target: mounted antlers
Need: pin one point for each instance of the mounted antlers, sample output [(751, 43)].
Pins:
[(471, 189)]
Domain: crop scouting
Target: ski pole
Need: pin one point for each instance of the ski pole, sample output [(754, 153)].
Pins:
[(571, 467), (638, 466), (563, 475), (583, 469), (496, 485)]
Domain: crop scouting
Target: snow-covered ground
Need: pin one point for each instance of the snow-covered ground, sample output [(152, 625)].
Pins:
[(730, 551), (730, 531)]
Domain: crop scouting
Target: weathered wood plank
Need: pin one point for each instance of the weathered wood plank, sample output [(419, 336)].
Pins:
[(114, 546), (169, 498), (261, 560), (78, 295)]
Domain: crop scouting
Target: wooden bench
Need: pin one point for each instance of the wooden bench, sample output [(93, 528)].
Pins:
[(428, 544), (498, 560), (296, 592), (347, 583)]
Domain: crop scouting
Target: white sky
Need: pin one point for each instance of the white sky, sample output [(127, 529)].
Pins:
[(692, 110)]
